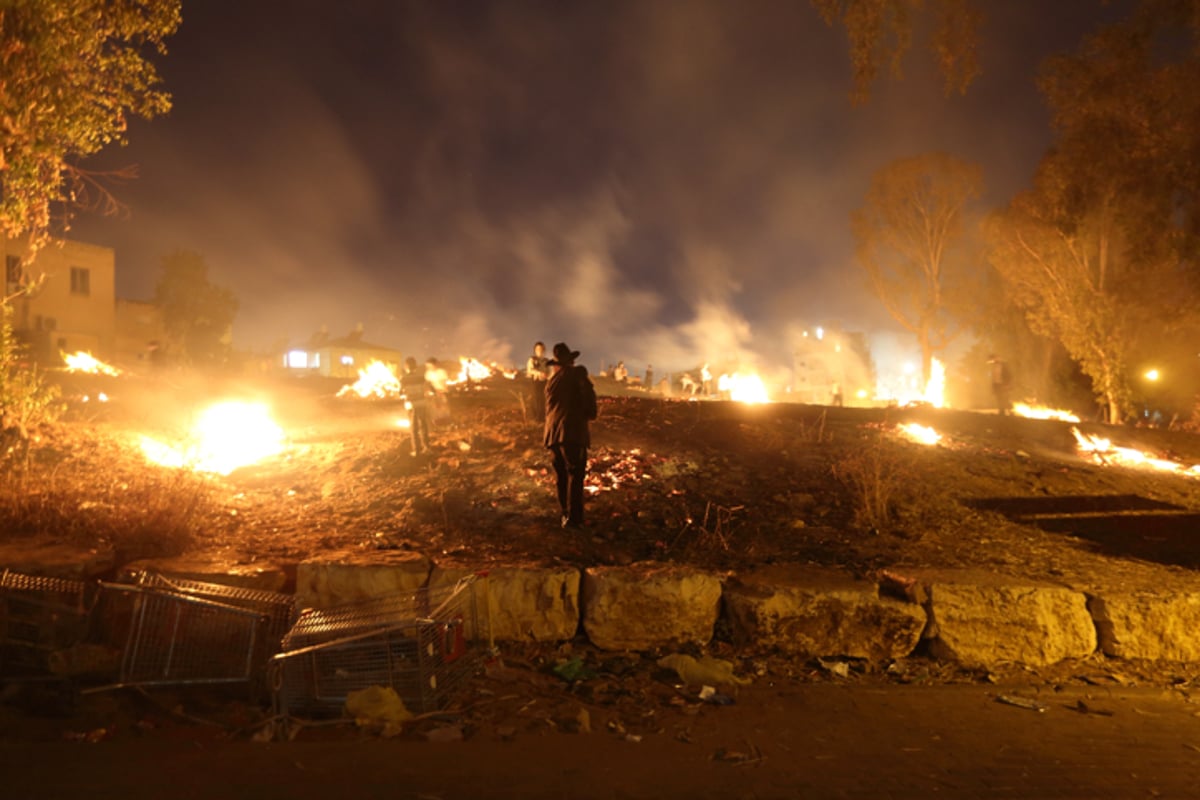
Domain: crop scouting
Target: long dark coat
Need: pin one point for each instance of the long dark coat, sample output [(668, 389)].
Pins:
[(570, 404)]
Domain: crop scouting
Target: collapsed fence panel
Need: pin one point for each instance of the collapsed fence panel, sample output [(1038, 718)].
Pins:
[(424, 645), (40, 616)]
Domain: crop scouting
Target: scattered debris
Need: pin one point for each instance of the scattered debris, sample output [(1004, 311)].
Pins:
[(1021, 702), (378, 708), (705, 670)]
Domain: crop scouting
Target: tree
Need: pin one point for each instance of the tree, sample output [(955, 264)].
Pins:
[(71, 74), (909, 233), (196, 314), (880, 31), (1100, 253)]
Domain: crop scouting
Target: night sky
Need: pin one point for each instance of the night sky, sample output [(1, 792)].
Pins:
[(662, 180)]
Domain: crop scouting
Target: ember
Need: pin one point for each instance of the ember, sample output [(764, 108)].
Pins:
[(1104, 452), (86, 362), (226, 436), (376, 379), (1041, 412), (609, 469)]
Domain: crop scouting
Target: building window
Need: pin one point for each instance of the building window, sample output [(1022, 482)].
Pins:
[(81, 279), (348, 360), (297, 359)]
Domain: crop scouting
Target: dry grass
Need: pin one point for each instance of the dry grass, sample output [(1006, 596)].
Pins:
[(876, 476), (137, 510)]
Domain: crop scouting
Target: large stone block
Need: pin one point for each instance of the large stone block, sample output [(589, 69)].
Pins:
[(524, 603), (1146, 624), (644, 606), (979, 618), (350, 577), (820, 613)]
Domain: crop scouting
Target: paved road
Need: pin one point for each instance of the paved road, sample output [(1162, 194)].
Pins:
[(802, 741)]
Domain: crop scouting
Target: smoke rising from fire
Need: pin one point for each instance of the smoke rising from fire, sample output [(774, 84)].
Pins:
[(667, 183)]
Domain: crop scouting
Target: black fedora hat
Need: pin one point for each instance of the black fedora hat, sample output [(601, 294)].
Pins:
[(563, 355)]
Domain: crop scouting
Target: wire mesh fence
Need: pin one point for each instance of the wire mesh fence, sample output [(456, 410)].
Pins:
[(422, 644), (40, 616)]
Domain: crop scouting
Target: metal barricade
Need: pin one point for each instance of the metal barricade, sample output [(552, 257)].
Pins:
[(423, 644), (39, 616)]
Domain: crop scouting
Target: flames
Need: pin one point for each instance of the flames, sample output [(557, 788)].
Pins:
[(80, 361), (908, 392), (1104, 452), (921, 434), (743, 388), (376, 379), (1041, 412), (472, 370), (225, 437)]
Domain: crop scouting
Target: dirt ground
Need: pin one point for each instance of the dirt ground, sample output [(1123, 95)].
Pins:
[(719, 485)]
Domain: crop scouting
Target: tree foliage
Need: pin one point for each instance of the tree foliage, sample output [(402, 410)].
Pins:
[(909, 234), (196, 314), (26, 401), (1100, 253), (880, 33), (72, 72)]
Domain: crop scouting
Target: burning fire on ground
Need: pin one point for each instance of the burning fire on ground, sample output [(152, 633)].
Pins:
[(376, 379), (1104, 452), (743, 388), (921, 434), (1041, 412), (80, 361), (472, 370), (226, 437)]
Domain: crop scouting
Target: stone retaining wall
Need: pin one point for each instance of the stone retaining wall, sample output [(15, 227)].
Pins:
[(972, 617)]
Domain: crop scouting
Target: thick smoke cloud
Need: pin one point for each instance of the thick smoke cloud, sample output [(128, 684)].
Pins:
[(654, 182)]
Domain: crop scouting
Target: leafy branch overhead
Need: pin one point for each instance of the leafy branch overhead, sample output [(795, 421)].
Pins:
[(72, 73)]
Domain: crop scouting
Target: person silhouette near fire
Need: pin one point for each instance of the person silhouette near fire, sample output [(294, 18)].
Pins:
[(538, 371), (415, 391), (1001, 384), (570, 406)]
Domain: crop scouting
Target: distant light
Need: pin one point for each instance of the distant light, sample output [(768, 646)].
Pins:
[(909, 368), (297, 359), (820, 333), (861, 394), (347, 360), (1152, 375)]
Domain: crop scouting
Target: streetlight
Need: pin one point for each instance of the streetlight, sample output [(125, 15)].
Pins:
[(1151, 375)]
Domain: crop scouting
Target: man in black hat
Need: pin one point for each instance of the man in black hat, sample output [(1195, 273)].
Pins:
[(570, 405)]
